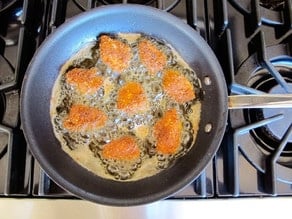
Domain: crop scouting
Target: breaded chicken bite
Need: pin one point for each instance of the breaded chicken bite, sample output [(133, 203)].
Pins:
[(167, 132), (132, 98), (114, 53), (121, 149), (151, 57), (84, 118), (177, 86), (86, 81)]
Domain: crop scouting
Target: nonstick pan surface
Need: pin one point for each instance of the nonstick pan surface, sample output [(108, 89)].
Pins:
[(67, 40)]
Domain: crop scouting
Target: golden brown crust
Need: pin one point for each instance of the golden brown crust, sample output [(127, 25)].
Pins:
[(84, 118), (167, 132), (177, 86), (153, 59), (124, 148), (86, 81), (132, 98), (114, 53)]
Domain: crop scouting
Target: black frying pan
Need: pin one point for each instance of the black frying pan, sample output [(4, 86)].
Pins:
[(68, 39)]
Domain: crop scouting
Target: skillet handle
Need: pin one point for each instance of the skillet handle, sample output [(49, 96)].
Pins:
[(260, 101)]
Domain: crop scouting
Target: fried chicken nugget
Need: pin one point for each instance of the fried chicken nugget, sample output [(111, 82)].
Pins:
[(123, 149), (167, 132), (114, 53), (84, 118), (153, 59), (86, 81), (177, 86), (132, 98)]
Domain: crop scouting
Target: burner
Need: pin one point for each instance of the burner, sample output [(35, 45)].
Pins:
[(278, 128), (260, 131), (269, 136)]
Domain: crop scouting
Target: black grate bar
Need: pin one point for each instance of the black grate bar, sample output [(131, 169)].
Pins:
[(2, 46), (191, 6), (58, 13), (26, 48), (90, 4), (260, 41), (162, 4), (81, 7), (241, 89), (35, 8), (221, 17), (253, 19), (273, 71), (224, 46), (240, 132), (288, 14), (196, 16), (19, 162), (255, 13), (230, 67), (271, 171), (4, 151)]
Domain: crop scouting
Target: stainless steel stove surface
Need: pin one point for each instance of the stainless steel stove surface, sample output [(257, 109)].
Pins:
[(253, 42)]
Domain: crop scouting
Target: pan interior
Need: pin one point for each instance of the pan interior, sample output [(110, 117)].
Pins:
[(68, 39)]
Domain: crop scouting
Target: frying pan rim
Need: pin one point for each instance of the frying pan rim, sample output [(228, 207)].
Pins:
[(27, 131)]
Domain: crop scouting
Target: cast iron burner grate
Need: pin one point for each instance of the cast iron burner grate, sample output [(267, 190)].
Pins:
[(252, 41), (269, 137), (256, 147), (268, 130)]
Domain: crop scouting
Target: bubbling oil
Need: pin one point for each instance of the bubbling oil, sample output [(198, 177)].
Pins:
[(85, 146)]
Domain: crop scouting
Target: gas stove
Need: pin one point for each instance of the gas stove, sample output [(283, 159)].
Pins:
[(252, 40)]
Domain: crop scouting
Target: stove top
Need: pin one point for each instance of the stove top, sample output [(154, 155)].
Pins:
[(252, 41)]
